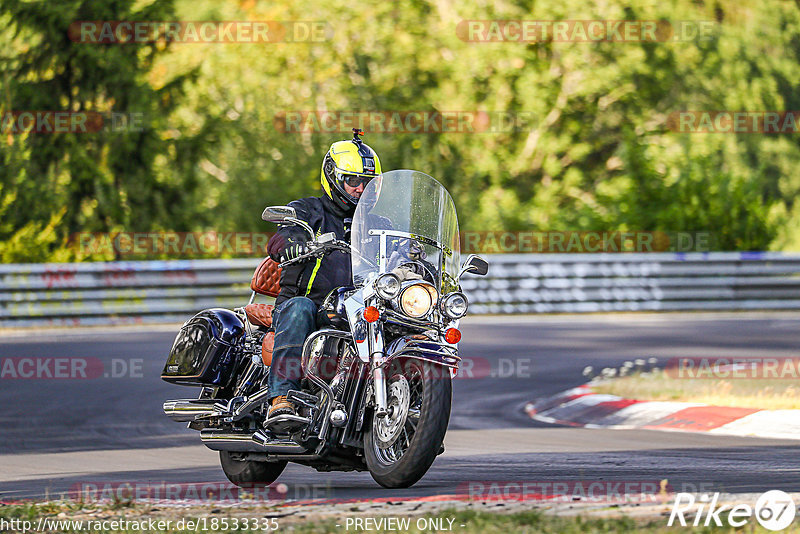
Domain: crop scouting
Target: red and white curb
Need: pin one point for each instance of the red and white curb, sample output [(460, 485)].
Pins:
[(582, 407)]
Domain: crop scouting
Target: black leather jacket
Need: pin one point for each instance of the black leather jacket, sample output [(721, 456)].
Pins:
[(315, 278)]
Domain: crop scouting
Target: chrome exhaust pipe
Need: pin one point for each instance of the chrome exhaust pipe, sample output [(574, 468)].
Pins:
[(186, 410), (220, 440)]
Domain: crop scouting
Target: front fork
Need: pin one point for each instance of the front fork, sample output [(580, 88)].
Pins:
[(375, 345), (370, 347)]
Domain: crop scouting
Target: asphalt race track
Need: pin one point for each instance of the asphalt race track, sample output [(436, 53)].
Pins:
[(57, 433)]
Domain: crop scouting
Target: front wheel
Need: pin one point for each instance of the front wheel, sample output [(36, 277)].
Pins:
[(249, 474), (400, 448)]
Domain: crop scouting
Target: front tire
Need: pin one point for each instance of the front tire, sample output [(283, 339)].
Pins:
[(406, 456), (249, 474)]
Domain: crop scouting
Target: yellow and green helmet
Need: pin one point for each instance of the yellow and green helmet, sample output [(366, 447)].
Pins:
[(352, 162)]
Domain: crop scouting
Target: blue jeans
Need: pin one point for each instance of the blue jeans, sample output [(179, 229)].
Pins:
[(295, 321)]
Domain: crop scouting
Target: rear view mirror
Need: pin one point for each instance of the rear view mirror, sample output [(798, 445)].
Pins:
[(286, 215), (278, 214), (475, 265)]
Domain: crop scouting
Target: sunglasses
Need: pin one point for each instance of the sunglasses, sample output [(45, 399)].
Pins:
[(354, 180)]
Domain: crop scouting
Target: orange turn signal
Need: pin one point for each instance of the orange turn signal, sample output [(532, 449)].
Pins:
[(452, 336), (371, 314)]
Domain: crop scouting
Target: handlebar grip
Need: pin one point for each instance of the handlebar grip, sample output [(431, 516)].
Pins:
[(298, 259), (319, 250)]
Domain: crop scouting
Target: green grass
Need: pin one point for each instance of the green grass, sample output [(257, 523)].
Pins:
[(770, 394), (475, 522)]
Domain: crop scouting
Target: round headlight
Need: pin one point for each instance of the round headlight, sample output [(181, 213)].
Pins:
[(416, 300), (387, 286), (455, 305)]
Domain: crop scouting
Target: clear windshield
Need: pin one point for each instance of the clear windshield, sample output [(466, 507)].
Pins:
[(415, 219)]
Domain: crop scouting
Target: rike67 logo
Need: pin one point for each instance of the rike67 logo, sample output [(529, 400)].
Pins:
[(774, 510)]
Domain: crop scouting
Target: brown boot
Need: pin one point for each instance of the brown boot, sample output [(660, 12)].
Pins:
[(280, 406)]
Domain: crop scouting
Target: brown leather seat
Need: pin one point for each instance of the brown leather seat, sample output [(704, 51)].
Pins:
[(266, 281), (259, 314), (267, 278)]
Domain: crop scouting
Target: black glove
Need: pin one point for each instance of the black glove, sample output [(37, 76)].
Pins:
[(293, 250)]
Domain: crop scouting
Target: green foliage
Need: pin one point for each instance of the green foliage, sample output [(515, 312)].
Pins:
[(55, 185), (595, 151)]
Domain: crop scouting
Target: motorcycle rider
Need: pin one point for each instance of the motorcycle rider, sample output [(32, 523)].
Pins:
[(346, 169)]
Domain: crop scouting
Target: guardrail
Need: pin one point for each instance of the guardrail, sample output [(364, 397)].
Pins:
[(574, 283), (120, 292), (167, 291)]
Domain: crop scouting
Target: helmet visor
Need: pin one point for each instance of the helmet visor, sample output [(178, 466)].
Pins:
[(353, 179)]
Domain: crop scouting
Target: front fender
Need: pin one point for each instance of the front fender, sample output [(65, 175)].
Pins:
[(429, 351)]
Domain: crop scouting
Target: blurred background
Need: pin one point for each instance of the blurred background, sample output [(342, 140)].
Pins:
[(208, 149)]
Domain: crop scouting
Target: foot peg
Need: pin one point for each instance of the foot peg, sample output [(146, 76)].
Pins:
[(301, 398), (282, 424)]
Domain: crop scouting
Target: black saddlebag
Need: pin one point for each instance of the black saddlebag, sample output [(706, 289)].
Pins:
[(206, 349)]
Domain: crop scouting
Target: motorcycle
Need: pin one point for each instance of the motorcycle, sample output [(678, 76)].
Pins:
[(376, 378)]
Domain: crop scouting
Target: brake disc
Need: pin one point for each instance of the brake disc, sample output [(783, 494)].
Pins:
[(389, 428)]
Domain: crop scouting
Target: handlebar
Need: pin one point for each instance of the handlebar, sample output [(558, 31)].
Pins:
[(318, 250)]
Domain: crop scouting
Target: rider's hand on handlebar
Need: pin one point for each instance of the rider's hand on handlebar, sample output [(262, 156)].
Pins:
[(294, 250), (299, 252)]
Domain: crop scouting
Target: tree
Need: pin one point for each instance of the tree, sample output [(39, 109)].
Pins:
[(120, 178)]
